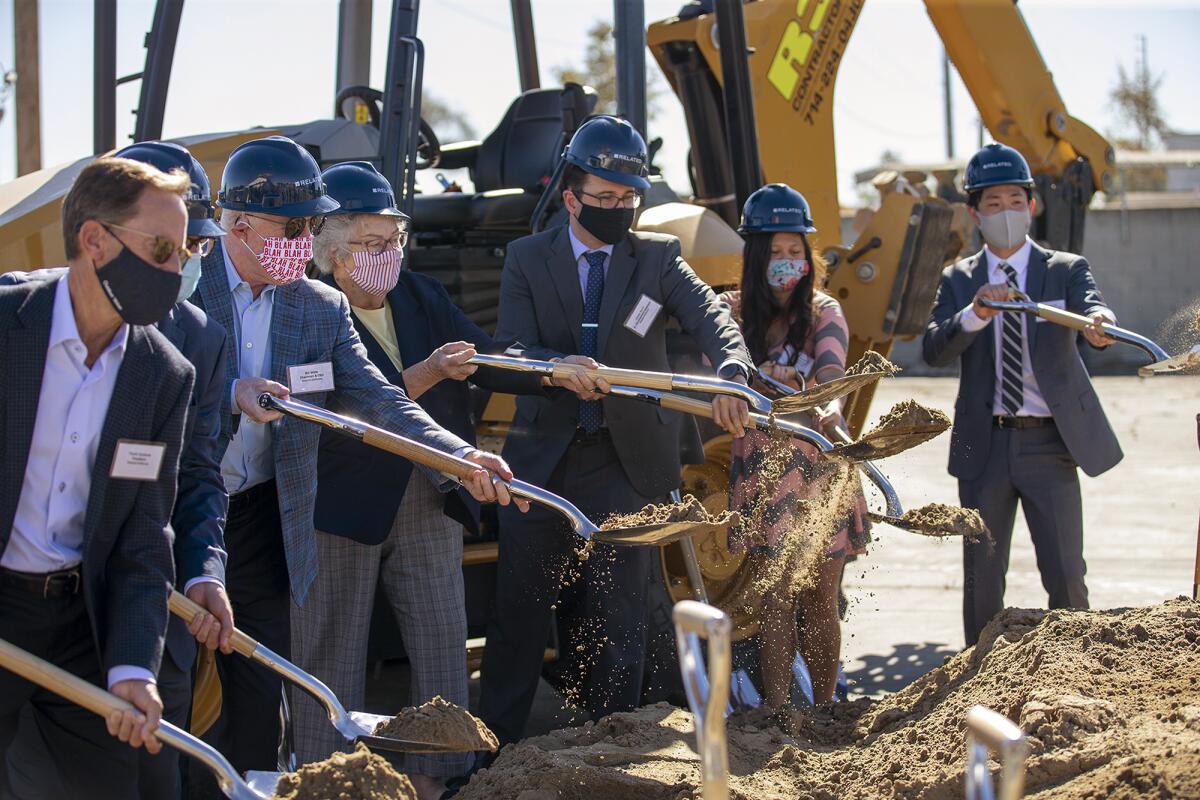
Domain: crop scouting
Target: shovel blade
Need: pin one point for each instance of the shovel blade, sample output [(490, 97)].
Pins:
[(822, 393), (263, 784), (1185, 363), (881, 444), (655, 535), (369, 722)]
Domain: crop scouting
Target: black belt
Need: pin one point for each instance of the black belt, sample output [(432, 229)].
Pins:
[(252, 495), (63, 583), (1008, 423), (591, 437)]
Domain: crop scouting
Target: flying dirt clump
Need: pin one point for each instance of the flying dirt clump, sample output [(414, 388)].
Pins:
[(1109, 702), (690, 510), (441, 722), (939, 519), (872, 362), (360, 775)]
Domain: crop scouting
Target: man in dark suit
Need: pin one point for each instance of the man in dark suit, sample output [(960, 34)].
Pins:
[(595, 289), (378, 521), (200, 508), (287, 334), (1026, 414), (88, 477)]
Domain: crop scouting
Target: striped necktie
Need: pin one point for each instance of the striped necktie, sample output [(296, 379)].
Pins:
[(1012, 338), (591, 413)]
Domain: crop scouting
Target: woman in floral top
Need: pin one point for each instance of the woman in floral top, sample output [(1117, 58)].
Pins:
[(792, 329)]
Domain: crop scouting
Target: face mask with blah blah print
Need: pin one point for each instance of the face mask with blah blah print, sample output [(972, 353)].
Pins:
[(284, 259)]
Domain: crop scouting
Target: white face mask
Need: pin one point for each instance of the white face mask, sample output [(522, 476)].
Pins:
[(1005, 230), (190, 276)]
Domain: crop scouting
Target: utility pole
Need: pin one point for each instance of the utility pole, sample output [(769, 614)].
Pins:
[(949, 107), (28, 106)]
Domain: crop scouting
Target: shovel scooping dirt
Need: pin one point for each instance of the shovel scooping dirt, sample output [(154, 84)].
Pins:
[(905, 426), (440, 721), (360, 775), (868, 369), (690, 510), (938, 519)]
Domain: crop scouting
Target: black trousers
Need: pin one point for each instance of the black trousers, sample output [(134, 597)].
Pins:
[(160, 777), (248, 730), (536, 555), (1033, 466), (56, 749)]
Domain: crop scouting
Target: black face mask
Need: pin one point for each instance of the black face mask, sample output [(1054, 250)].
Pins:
[(609, 225), (140, 292)]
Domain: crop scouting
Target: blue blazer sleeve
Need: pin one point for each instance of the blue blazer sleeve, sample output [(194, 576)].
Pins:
[(202, 504)]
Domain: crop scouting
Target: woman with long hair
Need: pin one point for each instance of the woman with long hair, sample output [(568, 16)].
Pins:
[(784, 493)]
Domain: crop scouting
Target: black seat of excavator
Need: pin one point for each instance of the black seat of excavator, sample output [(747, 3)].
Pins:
[(509, 168)]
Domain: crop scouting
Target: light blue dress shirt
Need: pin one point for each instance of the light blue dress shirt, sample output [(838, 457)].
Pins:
[(249, 460), (580, 249), (47, 530)]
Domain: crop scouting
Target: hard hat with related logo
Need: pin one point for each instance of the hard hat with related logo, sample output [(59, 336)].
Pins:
[(359, 188), (274, 176), (995, 165), (610, 148), (776, 208), (167, 156)]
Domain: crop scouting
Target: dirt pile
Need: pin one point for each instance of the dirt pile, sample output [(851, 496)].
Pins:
[(360, 775), (690, 510), (872, 362), (1110, 702), (441, 722)]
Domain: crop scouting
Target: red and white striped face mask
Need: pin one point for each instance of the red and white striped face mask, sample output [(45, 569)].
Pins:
[(376, 273)]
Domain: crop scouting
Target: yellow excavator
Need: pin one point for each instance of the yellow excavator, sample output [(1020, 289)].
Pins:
[(755, 81)]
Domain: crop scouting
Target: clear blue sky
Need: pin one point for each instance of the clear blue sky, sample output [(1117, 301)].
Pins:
[(246, 62)]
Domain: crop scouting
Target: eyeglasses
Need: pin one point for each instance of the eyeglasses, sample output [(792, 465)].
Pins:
[(294, 226), (200, 245), (164, 247), (377, 245), (609, 200)]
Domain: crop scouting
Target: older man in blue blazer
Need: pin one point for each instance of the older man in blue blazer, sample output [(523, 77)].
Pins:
[(288, 335), (1026, 415)]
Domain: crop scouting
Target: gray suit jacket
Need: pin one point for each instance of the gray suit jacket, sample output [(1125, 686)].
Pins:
[(311, 323), (1059, 369), (541, 306), (127, 563)]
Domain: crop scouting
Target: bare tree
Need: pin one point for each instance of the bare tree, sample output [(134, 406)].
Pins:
[(599, 70), (1135, 99)]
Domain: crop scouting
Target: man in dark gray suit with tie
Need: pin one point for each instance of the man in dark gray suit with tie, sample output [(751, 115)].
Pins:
[(1026, 414), (595, 289), (88, 468)]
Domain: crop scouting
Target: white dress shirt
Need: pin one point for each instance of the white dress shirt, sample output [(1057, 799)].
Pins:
[(1034, 404), (249, 460), (47, 531)]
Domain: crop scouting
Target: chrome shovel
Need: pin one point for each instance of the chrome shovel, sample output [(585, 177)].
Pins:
[(707, 689)]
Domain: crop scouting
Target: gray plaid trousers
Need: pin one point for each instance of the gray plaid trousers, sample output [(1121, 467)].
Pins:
[(420, 565)]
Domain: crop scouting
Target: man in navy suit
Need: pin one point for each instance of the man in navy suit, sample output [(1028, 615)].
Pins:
[(379, 521), (1026, 415)]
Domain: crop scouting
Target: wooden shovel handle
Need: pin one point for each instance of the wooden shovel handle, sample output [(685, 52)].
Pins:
[(622, 377), (422, 454), (186, 610), (59, 681), (1062, 317), (688, 405)]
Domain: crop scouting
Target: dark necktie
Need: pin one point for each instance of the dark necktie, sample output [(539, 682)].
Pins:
[(591, 414), (1012, 383)]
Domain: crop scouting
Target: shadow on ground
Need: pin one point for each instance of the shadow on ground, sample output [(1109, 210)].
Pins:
[(897, 669)]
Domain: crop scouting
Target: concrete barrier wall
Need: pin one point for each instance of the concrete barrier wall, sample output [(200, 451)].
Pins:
[(1147, 264)]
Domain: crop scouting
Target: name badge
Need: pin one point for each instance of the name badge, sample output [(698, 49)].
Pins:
[(308, 378), (643, 315), (137, 461)]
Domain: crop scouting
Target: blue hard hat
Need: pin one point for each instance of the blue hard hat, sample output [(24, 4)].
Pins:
[(995, 165), (167, 156), (274, 176), (359, 188), (610, 148), (776, 208)]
